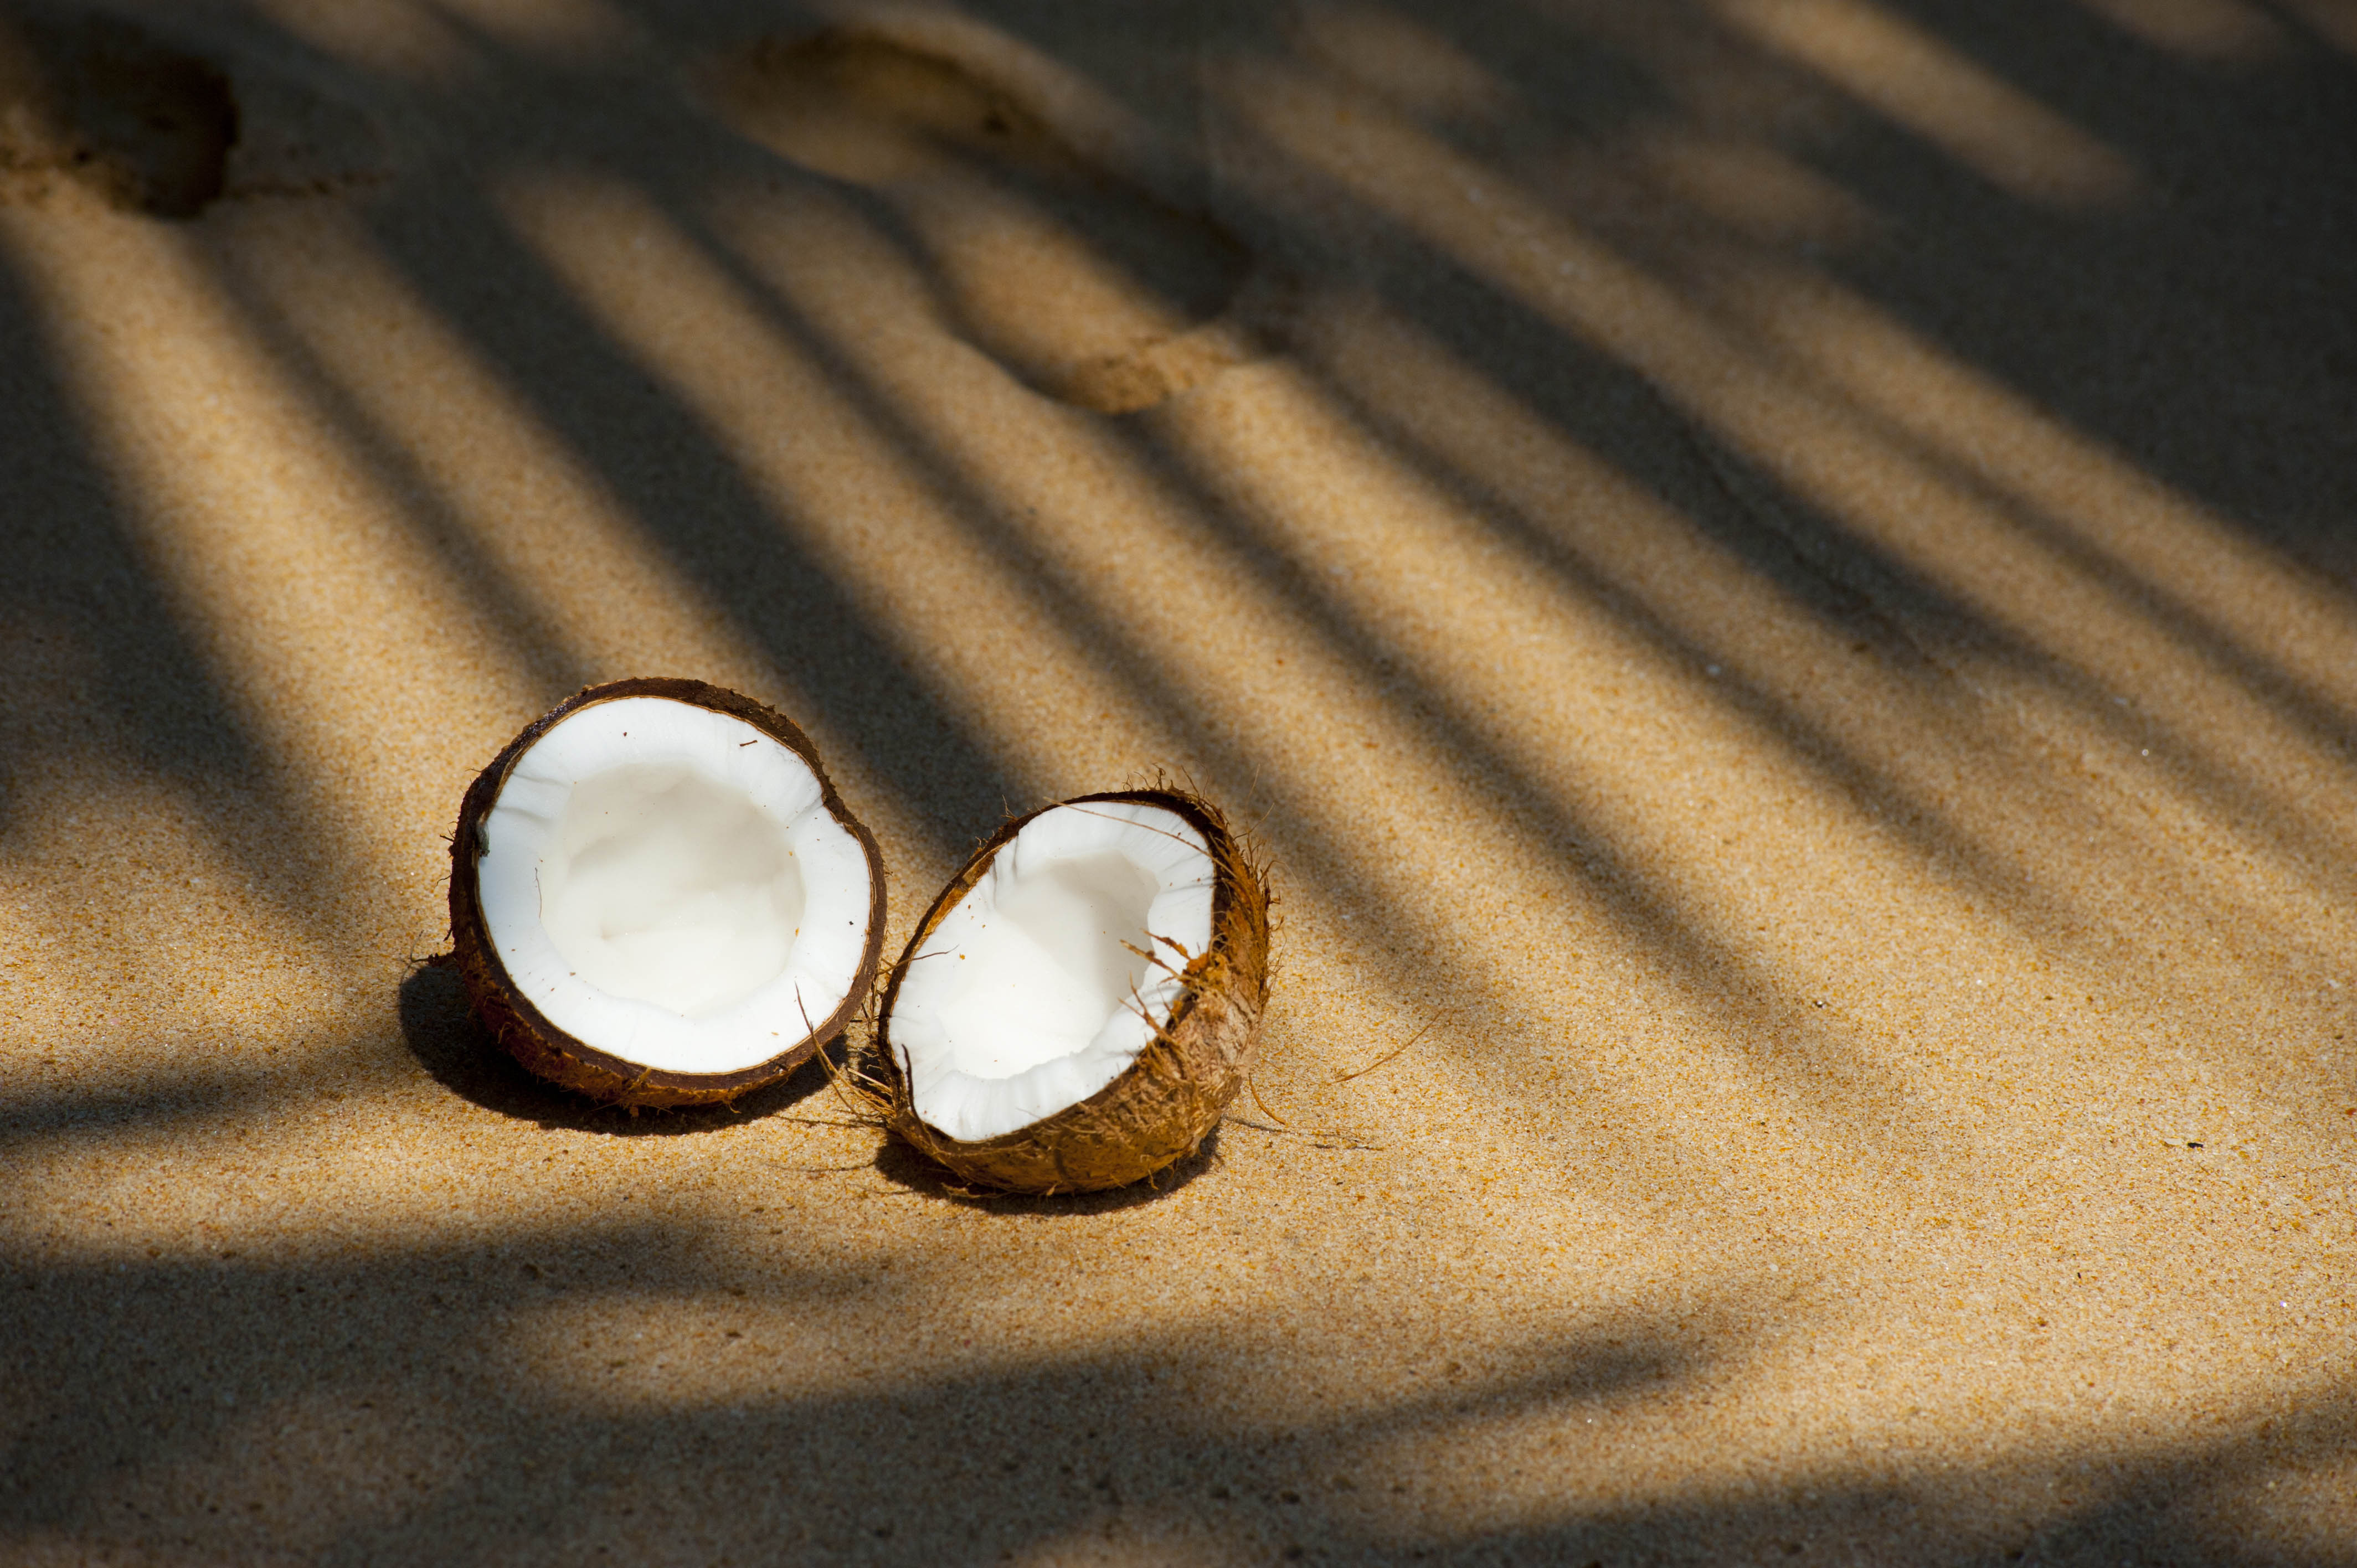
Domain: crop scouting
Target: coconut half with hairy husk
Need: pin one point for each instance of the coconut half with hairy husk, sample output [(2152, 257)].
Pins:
[(1081, 1001), (657, 898)]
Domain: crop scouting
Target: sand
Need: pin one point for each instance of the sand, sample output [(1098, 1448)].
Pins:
[(1775, 577)]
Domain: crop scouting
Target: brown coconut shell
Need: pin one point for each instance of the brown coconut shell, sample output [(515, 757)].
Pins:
[(1161, 1109), (561, 1057)]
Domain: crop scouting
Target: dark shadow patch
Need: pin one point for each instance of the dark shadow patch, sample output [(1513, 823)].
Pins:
[(99, 102), (441, 1032), (903, 1166), (96, 1112), (392, 1374), (300, 135)]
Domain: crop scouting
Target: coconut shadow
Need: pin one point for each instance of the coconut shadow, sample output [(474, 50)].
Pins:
[(903, 1167), (441, 1032)]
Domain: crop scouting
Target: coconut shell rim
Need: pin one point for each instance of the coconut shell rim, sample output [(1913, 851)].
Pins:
[(598, 1073), (1229, 859)]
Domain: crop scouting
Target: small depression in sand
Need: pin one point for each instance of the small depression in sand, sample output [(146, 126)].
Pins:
[(94, 103), (97, 101), (1084, 284)]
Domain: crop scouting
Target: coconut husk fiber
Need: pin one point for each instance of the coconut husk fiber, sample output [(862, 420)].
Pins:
[(1774, 576)]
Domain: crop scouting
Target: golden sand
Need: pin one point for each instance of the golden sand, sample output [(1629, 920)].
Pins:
[(1775, 575)]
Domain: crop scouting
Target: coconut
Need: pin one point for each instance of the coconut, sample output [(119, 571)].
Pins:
[(657, 898), (1082, 1001)]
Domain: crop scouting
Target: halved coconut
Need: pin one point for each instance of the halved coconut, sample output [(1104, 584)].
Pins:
[(657, 897), (1081, 1001)]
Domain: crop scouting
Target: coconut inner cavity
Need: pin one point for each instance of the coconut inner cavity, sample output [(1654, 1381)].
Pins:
[(1054, 967), (1036, 990), (665, 884), (671, 889)]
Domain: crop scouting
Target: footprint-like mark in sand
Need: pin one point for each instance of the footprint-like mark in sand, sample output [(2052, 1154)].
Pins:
[(1082, 283), (98, 103)]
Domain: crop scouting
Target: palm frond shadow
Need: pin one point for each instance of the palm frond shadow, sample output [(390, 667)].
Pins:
[(452, 1368)]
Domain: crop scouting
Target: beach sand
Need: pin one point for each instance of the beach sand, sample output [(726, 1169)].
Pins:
[(1774, 577)]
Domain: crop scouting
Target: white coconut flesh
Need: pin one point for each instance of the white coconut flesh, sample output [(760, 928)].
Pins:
[(1035, 992), (665, 884)]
